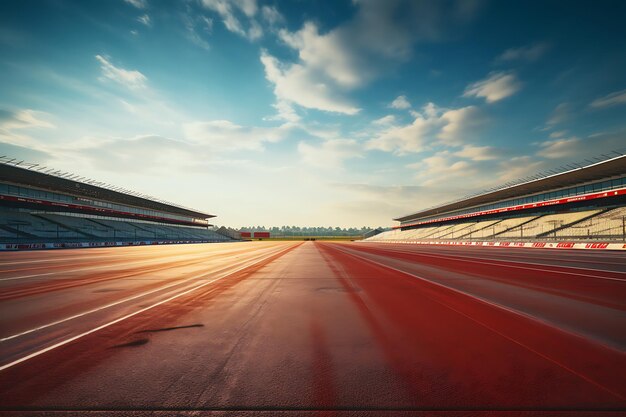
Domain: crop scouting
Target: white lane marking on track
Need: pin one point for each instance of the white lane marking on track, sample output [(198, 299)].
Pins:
[(27, 276), (512, 311), (473, 259), (81, 257), (95, 329), (508, 256), (93, 268), (96, 309), (93, 310), (98, 267), (550, 253), (77, 258)]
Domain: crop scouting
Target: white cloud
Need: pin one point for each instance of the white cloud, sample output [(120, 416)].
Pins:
[(157, 153), (433, 126), (194, 26), (378, 204), (140, 4), (559, 148), (519, 167), (285, 112), (478, 153), (298, 84), (24, 119), (207, 23), (460, 122), (440, 168), (321, 131), (223, 135), (559, 134), (16, 126), (230, 10), (131, 79), (497, 86), (348, 56), (575, 148), (405, 139), (330, 154), (400, 102), (385, 120), (613, 99), (272, 15), (560, 114), (256, 31), (145, 19), (439, 164), (325, 54), (27, 154), (524, 53)]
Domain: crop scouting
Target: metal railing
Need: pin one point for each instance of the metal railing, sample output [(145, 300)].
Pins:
[(588, 162), (42, 169)]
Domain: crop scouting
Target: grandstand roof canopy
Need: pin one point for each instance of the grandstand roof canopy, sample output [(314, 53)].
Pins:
[(593, 172), (30, 177)]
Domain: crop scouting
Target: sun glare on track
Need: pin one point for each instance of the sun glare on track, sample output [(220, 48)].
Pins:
[(346, 208)]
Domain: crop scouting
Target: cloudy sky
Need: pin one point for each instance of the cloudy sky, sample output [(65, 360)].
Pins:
[(342, 113)]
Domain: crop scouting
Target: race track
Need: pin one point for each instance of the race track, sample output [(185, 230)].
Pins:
[(313, 328)]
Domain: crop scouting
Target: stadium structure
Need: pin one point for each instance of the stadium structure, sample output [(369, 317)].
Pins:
[(579, 203), (44, 208)]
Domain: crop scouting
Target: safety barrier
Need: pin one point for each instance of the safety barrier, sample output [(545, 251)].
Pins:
[(72, 245), (536, 245)]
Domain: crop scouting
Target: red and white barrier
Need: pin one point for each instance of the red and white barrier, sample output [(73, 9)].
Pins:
[(536, 245), (70, 245), (573, 199)]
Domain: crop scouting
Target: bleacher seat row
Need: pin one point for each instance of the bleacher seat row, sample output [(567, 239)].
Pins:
[(16, 226), (587, 224)]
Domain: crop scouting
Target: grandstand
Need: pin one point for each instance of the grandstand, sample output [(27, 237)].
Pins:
[(581, 203), (40, 205)]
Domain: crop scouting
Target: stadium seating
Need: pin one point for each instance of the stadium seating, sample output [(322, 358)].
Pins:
[(595, 224), (608, 224), (500, 228), (16, 226), (478, 230), (545, 226), (454, 231)]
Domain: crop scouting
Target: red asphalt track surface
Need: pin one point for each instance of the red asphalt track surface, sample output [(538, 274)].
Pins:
[(315, 328)]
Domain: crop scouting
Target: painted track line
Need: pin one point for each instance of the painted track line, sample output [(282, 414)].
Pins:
[(507, 263), (122, 264), (70, 258), (516, 254), (510, 310), (484, 300), (87, 259), (95, 310), (150, 307), (97, 268)]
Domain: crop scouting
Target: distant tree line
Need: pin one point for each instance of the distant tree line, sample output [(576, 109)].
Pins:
[(308, 231)]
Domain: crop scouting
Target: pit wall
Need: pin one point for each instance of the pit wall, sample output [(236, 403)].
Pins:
[(535, 245), (74, 245)]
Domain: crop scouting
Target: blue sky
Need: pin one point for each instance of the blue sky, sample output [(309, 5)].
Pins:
[(343, 113)]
